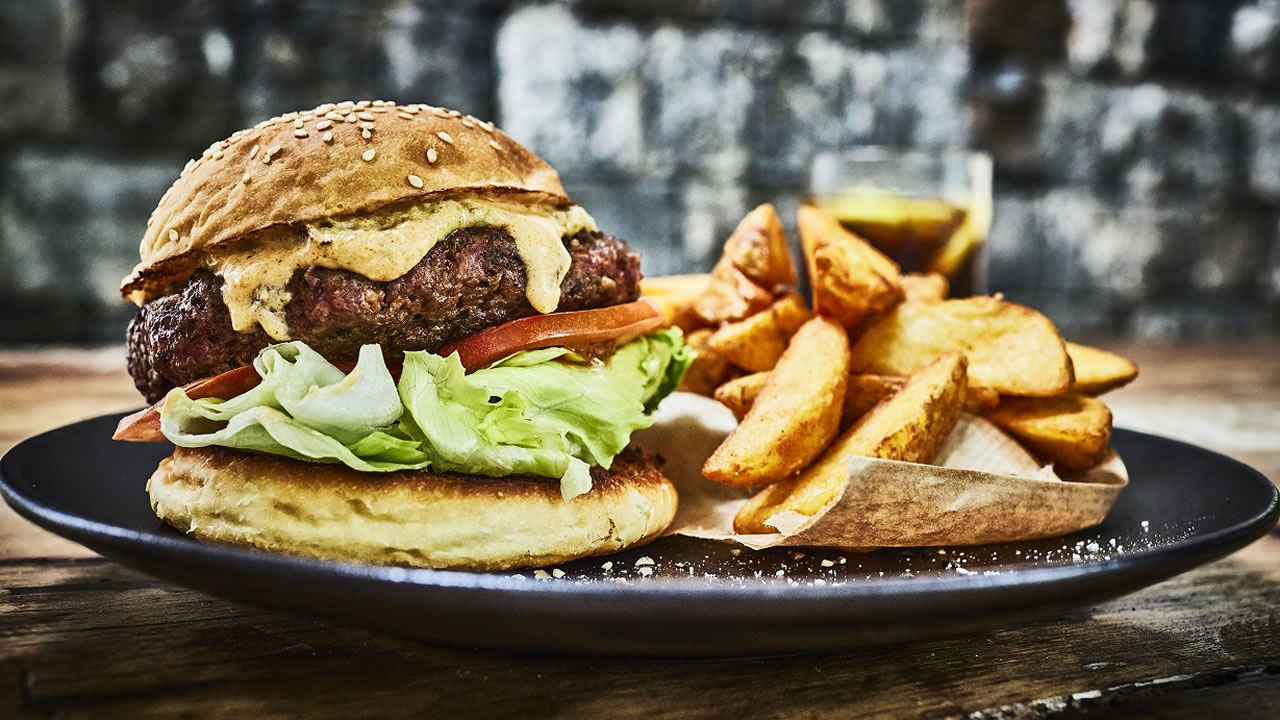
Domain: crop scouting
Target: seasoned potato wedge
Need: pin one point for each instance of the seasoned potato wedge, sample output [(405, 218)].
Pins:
[(708, 370), (674, 296), (925, 287), (758, 247), (909, 426), (852, 281), (795, 416), (740, 393), (1011, 349), (1072, 431), (1098, 371), (757, 342), (730, 295), (864, 391)]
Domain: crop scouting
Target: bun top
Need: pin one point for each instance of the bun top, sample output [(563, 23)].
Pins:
[(337, 159)]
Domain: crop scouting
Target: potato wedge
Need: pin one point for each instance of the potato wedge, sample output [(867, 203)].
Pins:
[(1098, 371), (730, 295), (926, 287), (852, 281), (674, 296), (708, 370), (757, 342), (758, 247), (1072, 431), (865, 391), (909, 426), (1011, 349), (795, 416), (740, 393)]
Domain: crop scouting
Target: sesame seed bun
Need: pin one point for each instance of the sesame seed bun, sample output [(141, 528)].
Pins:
[(414, 518), (335, 160)]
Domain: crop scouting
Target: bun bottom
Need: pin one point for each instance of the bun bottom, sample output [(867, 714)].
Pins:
[(411, 518)]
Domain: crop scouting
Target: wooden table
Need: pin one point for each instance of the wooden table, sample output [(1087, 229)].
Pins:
[(81, 636)]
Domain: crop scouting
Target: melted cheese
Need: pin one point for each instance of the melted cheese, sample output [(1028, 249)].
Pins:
[(385, 246)]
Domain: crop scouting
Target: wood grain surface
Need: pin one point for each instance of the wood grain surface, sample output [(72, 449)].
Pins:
[(83, 637)]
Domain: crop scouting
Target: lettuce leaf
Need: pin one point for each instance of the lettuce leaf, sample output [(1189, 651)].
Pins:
[(542, 412)]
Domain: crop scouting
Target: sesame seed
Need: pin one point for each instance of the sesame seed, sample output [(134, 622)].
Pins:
[(445, 137), (365, 125), (455, 114), (327, 137), (366, 116), (173, 234), (324, 124), (380, 103), (253, 153), (364, 104), (273, 149), (334, 116), (300, 133), (415, 181), (217, 154), (345, 104), (246, 178), (411, 109), (379, 109), (468, 124), (494, 144), (439, 112), (322, 109), (405, 115), (366, 133), (367, 155), (297, 123), (187, 168), (488, 126), (350, 118), (431, 155)]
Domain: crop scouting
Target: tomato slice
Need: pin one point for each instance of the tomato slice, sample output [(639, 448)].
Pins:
[(144, 425), (579, 329)]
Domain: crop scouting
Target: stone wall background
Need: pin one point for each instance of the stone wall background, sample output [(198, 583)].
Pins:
[(1137, 143)]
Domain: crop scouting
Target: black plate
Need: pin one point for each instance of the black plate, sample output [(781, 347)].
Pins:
[(1185, 506)]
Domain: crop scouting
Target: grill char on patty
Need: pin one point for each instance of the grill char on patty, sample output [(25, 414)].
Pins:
[(471, 280)]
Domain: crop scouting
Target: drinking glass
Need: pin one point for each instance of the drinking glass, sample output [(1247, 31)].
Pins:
[(929, 211)]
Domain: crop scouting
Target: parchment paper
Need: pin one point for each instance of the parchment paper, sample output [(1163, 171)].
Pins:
[(985, 488)]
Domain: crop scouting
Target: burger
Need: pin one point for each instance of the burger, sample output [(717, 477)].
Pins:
[(383, 333)]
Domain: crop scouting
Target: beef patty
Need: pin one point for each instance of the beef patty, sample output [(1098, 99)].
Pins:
[(472, 280)]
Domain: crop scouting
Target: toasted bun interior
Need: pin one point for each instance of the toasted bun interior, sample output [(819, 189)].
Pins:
[(420, 519), (331, 161)]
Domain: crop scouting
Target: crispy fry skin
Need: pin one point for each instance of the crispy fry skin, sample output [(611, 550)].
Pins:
[(1011, 349), (1072, 431), (708, 370), (1099, 371), (852, 281), (730, 295), (925, 287), (738, 394), (757, 342), (674, 296), (795, 416), (758, 247), (908, 426)]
